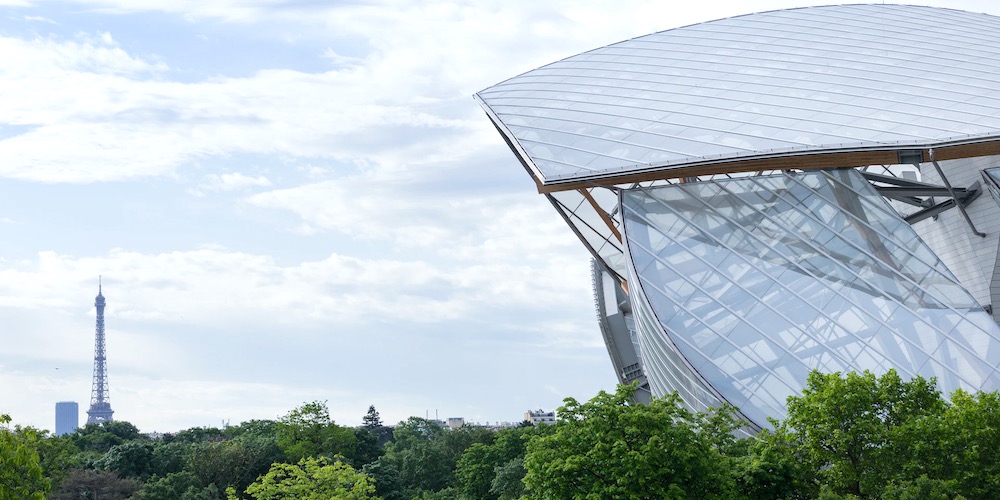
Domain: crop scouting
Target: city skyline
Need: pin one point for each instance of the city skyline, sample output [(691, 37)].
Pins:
[(292, 202)]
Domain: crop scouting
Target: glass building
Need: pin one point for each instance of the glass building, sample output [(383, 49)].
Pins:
[(779, 192), (67, 417)]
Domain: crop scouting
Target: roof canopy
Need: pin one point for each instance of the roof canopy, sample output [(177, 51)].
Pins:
[(813, 87)]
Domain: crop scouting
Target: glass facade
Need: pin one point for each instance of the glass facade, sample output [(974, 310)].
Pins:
[(728, 265), (747, 284)]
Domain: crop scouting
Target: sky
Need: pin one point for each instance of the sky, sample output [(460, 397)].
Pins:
[(291, 201)]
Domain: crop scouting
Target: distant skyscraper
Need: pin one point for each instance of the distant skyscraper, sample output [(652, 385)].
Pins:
[(67, 417), (100, 404)]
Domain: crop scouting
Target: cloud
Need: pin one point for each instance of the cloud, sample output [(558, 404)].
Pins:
[(406, 99), (230, 182)]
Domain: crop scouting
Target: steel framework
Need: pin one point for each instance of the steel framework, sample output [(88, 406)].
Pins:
[(100, 404)]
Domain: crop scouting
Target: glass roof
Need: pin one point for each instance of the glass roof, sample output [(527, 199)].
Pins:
[(798, 81)]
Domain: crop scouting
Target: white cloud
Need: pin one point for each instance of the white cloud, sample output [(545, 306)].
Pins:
[(230, 182), (407, 101)]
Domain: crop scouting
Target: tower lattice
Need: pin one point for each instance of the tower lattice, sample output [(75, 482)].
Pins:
[(100, 404)]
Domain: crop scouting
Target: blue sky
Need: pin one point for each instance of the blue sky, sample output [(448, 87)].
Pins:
[(291, 201)]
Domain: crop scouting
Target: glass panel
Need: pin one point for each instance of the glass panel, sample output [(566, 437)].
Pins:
[(761, 279)]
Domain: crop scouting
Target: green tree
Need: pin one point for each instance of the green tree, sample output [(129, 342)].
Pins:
[(198, 435), (176, 486), (261, 428), (366, 447), (610, 448), (168, 458), (100, 437), (130, 459), (371, 420), (86, 484), (508, 480), (426, 454), (308, 431), (21, 475), (846, 427), (388, 484), (373, 423), (776, 465), (236, 462), (56, 454), (476, 470), (310, 479), (959, 446)]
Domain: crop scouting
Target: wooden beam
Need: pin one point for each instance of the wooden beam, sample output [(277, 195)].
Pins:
[(813, 161), (600, 211)]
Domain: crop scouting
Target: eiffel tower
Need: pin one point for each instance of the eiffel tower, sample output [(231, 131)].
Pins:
[(100, 404)]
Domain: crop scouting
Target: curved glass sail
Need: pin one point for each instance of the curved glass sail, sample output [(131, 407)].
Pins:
[(755, 281)]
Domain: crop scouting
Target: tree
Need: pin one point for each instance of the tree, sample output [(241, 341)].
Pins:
[(426, 454), (373, 423), (371, 420), (176, 486), (308, 431), (130, 459), (847, 426), (198, 435), (776, 465), (100, 437), (236, 462), (56, 454), (388, 484), (95, 485), (477, 469), (21, 473), (252, 428), (610, 448), (366, 447), (168, 458), (508, 480), (310, 479), (959, 447)]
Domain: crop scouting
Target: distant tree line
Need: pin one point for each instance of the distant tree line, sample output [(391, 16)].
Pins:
[(845, 437)]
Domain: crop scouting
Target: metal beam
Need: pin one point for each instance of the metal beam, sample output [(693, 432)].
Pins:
[(961, 207)]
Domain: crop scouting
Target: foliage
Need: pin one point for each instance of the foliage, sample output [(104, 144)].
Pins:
[(100, 437), (308, 431), (426, 454), (508, 480), (923, 488), (130, 459), (388, 484), (373, 423), (176, 486), (853, 436), (609, 448), (311, 478), (775, 465), (168, 458), (86, 484), (260, 428), (197, 435), (477, 469), (236, 462), (846, 427), (366, 447), (371, 420), (21, 474)]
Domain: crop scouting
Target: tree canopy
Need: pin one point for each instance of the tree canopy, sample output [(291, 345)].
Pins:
[(310, 479), (20, 468), (610, 448), (846, 436)]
